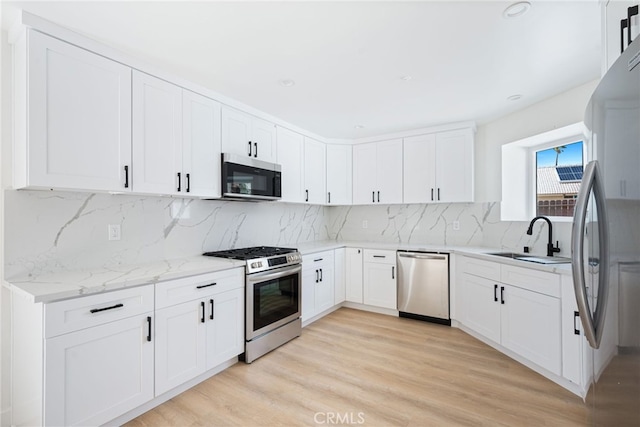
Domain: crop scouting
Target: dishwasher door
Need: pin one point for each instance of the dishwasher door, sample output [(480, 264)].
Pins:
[(423, 286)]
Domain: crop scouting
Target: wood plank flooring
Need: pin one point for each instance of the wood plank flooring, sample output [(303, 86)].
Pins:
[(359, 368)]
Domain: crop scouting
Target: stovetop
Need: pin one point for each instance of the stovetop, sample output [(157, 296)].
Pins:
[(251, 253)]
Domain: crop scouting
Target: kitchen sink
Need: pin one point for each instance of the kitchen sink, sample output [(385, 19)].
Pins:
[(531, 258)]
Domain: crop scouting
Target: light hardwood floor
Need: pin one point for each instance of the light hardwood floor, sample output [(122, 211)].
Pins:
[(369, 369)]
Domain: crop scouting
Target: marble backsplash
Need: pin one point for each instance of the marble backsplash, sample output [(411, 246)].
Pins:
[(52, 231)]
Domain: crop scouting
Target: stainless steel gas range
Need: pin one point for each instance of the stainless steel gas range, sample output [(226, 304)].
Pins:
[(272, 297)]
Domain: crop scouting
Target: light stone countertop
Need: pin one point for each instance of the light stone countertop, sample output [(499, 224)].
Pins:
[(74, 283)]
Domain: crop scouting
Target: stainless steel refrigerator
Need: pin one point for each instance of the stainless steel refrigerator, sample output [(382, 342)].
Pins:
[(606, 245)]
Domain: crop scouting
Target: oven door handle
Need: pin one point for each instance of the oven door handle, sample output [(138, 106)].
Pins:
[(261, 277)]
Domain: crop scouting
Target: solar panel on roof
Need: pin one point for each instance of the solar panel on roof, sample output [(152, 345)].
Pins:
[(569, 173)]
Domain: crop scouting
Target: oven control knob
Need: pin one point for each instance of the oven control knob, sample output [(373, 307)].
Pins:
[(256, 264)]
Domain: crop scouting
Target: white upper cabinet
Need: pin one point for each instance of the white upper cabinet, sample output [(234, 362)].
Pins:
[(617, 35), (339, 176), (290, 149), (73, 117), (176, 140), (377, 172), (201, 148), (246, 135), (157, 135), (439, 167), (315, 165)]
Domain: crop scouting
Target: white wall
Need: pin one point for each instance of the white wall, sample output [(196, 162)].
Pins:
[(561, 110)]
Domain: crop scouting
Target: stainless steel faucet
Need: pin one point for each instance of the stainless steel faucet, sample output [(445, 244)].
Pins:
[(550, 248)]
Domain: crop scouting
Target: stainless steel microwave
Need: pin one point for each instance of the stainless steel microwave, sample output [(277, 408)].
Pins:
[(244, 178)]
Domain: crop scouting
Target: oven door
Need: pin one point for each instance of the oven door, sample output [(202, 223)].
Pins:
[(273, 299)]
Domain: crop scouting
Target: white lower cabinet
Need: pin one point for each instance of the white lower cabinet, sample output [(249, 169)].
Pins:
[(339, 277), (197, 335), (317, 283), (353, 275), (380, 289), (513, 315), (96, 374)]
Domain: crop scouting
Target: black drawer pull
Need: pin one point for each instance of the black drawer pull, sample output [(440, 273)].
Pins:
[(206, 286), (149, 330), (319, 259), (98, 310), (379, 256)]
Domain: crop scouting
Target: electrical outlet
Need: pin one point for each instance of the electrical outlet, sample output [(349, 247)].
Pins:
[(456, 225), (365, 224), (114, 231)]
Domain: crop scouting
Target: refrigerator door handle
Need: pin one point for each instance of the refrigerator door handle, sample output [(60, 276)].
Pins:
[(593, 324)]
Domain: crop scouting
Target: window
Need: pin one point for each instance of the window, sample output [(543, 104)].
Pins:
[(558, 178), (541, 174)]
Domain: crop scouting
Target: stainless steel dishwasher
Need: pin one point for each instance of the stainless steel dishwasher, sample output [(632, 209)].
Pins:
[(423, 286)]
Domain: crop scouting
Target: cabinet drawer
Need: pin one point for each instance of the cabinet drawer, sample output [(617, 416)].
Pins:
[(534, 280), (80, 313), (380, 256), (478, 267), (319, 258), (178, 291)]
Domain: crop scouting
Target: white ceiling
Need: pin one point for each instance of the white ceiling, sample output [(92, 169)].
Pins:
[(347, 58)]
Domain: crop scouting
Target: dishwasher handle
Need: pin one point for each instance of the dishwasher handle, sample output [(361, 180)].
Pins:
[(421, 256)]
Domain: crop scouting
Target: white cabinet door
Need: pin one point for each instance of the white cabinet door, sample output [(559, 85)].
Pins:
[(78, 119), (354, 275), (157, 135), (389, 172), (380, 285), (317, 283), (339, 177), (314, 171), (572, 336), (481, 306), (246, 135), (96, 374), (263, 138), (419, 169), (291, 158), (454, 166), (310, 277), (340, 276), (364, 173), (531, 327), (180, 344), (201, 147), (325, 290), (225, 326)]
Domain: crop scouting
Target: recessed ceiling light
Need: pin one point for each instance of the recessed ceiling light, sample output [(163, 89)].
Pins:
[(516, 9), (406, 78), (514, 97), (358, 127), (287, 82)]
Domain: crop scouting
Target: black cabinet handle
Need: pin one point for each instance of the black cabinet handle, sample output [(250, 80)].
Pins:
[(373, 196), (126, 176), (576, 331), (202, 307), (318, 259), (329, 197), (250, 153), (321, 275), (378, 197), (98, 310), (379, 256), (179, 181), (432, 194), (211, 316), (188, 176), (438, 193), (255, 145), (393, 272), (495, 293), (317, 276), (206, 286), (632, 11), (149, 328), (306, 197), (358, 250), (501, 294), (624, 23)]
